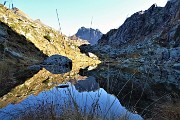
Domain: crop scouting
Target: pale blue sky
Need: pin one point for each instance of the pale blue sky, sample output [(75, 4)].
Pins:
[(73, 14)]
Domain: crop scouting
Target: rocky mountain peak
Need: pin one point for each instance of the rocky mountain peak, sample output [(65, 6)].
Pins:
[(89, 34)]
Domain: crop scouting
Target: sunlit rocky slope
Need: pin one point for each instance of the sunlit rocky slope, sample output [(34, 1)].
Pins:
[(44, 38)]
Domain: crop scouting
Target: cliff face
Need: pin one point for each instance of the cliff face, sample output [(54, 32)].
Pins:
[(145, 23), (89, 34)]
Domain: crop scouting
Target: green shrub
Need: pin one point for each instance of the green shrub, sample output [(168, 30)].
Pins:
[(47, 37)]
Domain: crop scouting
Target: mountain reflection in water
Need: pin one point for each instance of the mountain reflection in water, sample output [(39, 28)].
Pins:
[(105, 105)]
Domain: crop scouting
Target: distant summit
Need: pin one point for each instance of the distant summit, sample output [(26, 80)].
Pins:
[(89, 34)]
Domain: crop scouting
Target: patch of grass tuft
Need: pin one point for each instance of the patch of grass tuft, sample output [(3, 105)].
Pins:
[(4, 71)]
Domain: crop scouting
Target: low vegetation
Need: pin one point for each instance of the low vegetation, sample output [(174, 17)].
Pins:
[(167, 111), (5, 73)]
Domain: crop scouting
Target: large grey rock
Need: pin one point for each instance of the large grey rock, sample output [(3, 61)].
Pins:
[(57, 64), (56, 60)]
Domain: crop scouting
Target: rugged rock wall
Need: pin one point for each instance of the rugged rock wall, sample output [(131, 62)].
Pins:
[(145, 23)]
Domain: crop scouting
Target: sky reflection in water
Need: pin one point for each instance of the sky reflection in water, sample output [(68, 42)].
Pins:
[(106, 104)]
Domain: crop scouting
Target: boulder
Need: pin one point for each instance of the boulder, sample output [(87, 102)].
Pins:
[(91, 55), (56, 60), (57, 64)]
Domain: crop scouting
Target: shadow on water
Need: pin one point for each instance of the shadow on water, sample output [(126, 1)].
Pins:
[(21, 76), (138, 90), (55, 64)]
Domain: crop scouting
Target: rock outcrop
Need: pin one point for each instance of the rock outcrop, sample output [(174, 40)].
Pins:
[(152, 36), (77, 41)]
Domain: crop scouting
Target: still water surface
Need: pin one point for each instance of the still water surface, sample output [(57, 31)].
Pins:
[(100, 91), (84, 95)]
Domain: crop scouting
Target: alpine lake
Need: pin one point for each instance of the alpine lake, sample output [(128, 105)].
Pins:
[(106, 91)]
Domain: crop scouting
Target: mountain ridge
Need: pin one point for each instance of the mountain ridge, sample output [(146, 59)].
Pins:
[(141, 24)]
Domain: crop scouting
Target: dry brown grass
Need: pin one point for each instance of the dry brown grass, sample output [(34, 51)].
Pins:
[(167, 111), (49, 112), (69, 110)]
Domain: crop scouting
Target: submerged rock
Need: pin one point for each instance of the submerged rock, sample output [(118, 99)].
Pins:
[(91, 55)]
